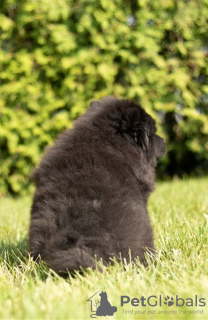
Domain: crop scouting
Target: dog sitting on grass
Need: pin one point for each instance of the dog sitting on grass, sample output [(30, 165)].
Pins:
[(92, 188)]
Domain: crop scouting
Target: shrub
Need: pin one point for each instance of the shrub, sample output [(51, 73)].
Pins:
[(58, 55)]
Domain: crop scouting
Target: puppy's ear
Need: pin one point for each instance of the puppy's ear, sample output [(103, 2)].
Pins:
[(133, 129), (142, 137)]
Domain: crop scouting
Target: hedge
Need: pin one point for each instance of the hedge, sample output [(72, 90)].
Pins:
[(56, 56)]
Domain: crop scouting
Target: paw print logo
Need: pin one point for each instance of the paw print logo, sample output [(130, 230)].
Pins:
[(169, 301)]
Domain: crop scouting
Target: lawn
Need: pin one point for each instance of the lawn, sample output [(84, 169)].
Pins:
[(179, 214)]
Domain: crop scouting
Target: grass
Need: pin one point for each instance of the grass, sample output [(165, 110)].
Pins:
[(179, 213)]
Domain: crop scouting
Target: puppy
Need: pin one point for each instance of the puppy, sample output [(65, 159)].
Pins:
[(92, 188)]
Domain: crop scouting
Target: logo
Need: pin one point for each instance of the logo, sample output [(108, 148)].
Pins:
[(100, 306), (154, 301)]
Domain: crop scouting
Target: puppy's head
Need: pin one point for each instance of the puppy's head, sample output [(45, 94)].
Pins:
[(131, 122), (140, 129)]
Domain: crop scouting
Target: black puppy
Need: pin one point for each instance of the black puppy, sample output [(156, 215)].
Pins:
[(93, 186)]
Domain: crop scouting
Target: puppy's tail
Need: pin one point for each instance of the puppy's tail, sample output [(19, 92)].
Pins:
[(65, 257)]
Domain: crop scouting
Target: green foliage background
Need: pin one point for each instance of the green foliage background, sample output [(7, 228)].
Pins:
[(56, 56)]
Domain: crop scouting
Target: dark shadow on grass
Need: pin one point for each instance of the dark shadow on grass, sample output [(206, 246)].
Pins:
[(12, 253), (15, 258)]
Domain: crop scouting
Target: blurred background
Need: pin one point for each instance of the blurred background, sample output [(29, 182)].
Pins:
[(56, 56)]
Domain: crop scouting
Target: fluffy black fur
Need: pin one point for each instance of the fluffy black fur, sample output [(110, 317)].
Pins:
[(93, 186)]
